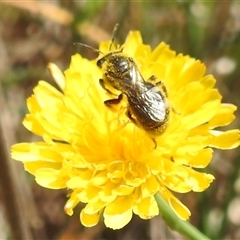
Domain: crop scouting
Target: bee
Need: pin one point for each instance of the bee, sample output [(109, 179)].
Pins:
[(148, 106), (147, 100)]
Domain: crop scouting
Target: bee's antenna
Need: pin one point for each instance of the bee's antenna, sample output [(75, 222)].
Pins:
[(87, 46), (113, 34)]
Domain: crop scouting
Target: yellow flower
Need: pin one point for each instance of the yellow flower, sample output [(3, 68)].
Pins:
[(105, 160)]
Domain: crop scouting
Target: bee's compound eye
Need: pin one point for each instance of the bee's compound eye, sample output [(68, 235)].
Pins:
[(122, 65)]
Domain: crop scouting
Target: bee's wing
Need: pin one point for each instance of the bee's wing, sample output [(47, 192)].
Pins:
[(148, 103), (135, 76), (155, 103)]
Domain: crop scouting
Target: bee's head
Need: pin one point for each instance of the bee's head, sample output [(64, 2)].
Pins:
[(115, 64), (115, 67)]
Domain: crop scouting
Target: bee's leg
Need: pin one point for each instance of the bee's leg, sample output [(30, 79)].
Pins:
[(153, 78), (130, 116), (160, 84), (101, 82), (154, 142), (163, 87), (113, 101)]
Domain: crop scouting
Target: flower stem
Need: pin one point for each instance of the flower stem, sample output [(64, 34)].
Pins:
[(173, 221)]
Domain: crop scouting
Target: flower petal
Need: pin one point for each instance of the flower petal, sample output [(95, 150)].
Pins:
[(118, 213), (225, 140), (89, 220), (147, 208), (181, 210), (57, 75)]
